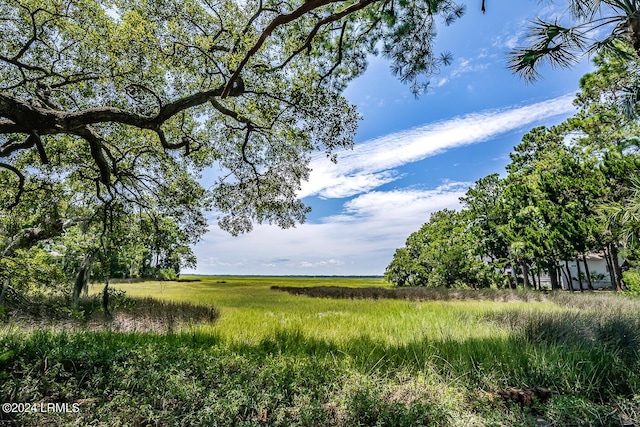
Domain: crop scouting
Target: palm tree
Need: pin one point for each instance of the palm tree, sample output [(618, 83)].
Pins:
[(563, 46), (626, 216)]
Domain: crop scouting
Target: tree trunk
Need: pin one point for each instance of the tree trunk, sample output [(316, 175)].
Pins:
[(539, 280), (616, 266), (612, 275), (587, 272), (525, 274), (609, 268), (533, 282), (105, 300), (553, 275), (511, 278), (567, 274), (5, 287), (579, 273), (81, 280)]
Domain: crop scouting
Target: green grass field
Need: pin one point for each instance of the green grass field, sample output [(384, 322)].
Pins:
[(272, 358), (251, 312)]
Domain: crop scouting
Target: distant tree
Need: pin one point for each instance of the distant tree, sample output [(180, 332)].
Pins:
[(440, 254)]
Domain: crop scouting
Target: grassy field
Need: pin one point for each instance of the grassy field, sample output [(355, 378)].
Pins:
[(274, 358), (251, 312)]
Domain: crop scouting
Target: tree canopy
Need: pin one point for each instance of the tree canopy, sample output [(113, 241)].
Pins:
[(131, 99)]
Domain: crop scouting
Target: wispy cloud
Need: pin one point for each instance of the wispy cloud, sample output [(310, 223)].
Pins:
[(463, 66), (372, 163), (469, 66), (510, 40), (518, 31)]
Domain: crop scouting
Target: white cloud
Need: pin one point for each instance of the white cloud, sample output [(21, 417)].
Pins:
[(359, 240), (443, 81), (511, 40), (469, 66), (371, 164)]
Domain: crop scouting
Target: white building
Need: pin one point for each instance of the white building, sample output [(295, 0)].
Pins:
[(598, 269)]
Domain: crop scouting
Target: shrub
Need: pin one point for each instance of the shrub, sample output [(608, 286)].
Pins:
[(166, 274), (632, 281)]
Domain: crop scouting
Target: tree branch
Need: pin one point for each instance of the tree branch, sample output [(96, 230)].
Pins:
[(22, 117), (96, 147), (339, 59), (11, 146), (38, 143), (279, 20), (327, 20), (46, 230), (245, 159), (20, 184)]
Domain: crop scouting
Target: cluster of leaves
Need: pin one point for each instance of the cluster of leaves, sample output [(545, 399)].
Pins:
[(33, 271), (127, 101), (567, 194)]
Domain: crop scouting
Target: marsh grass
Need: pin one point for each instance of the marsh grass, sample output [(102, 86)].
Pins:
[(601, 300), (413, 293), (127, 313), (272, 358)]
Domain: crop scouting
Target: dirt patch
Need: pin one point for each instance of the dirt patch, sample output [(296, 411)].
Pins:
[(525, 397)]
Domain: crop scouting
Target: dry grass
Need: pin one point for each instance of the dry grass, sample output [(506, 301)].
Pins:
[(600, 300), (414, 294), (138, 314)]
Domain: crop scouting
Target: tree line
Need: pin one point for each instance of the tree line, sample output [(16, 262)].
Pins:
[(570, 190)]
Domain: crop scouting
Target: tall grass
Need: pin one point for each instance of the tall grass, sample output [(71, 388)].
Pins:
[(273, 358)]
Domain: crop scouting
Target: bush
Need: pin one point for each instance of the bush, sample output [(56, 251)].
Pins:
[(632, 281), (155, 273), (166, 274)]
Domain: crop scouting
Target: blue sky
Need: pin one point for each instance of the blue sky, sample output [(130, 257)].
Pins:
[(412, 156)]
